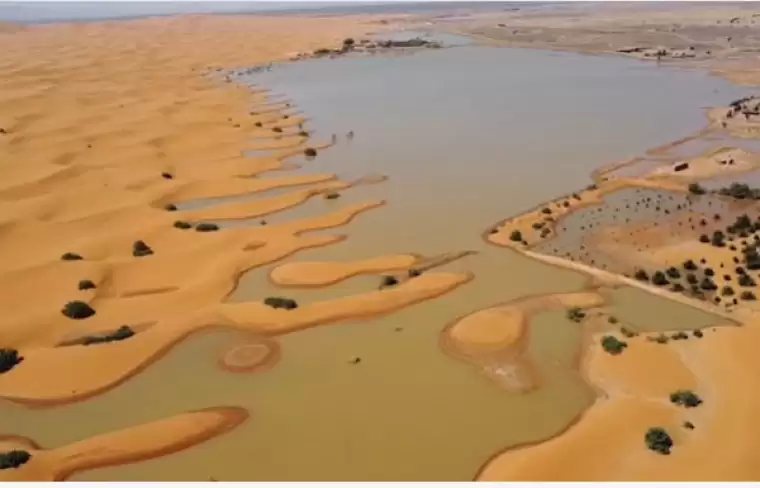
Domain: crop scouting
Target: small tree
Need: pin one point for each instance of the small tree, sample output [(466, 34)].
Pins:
[(658, 440), (77, 310), (686, 398), (613, 345), (281, 302), (515, 236), (13, 459)]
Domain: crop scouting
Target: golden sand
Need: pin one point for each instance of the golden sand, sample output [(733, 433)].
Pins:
[(321, 273)]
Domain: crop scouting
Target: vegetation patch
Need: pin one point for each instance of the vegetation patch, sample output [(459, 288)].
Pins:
[(613, 345), (123, 332), (515, 236), (86, 285), (281, 302), (575, 314), (140, 249), (71, 256), (206, 227), (13, 459), (658, 440), (310, 152), (8, 359), (388, 280), (77, 310), (696, 189), (686, 398), (170, 207), (181, 224)]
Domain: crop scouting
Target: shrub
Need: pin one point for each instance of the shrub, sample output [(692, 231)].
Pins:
[(86, 285), (690, 265), (673, 273), (281, 302), (660, 339), (707, 284), (575, 314), (170, 207), (123, 332), (206, 227), (310, 152), (515, 236), (692, 278), (546, 210), (276, 129), (612, 319), (140, 249), (680, 336), (71, 256), (727, 291), (658, 440), (718, 239), (677, 287), (704, 238), (698, 334), (659, 279), (181, 224), (746, 280), (13, 458), (257, 124), (348, 42), (8, 359), (388, 280), (612, 345), (709, 272), (688, 425), (685, 398), (641, 275), (696, 189), (537, 225), (303, 133), (167, 176), (748, 296), (332, 195), (414, 272), (627, 332), (77, 310)]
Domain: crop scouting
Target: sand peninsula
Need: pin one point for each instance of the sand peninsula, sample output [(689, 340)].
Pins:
[(111, 127)]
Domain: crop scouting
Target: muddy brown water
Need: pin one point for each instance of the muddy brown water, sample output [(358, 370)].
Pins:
[(468, 136)]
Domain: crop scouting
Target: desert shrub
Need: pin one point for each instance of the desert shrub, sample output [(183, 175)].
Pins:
[(281, 302), (704, 238), (546, 210), (167, 176), (414, 272), (575, 314), (170, 207), (660, 339), (692, 278), (685, 398), (303, 133), (688, 425), (746, 280), (612, 319), (86, 285), (8, 359), (673, 273), (698, 334), (748, 296), (696, 189), (613, 345), (13, 459), (718, 239), (77, 310), (348, 42), (690, 265), (276, 129), (740, 191), (641, 275), (727, 291), (707, 284), (515, 236), (388, 280), (206, 227), (545, 232), (257, 124), (677, 287), (123, 332), (627, 332), (659, 279), (679, 336), (310, 152), (332, 195), (140, 249), (537, 225), (71, 256), (658, 440), (181, 224)]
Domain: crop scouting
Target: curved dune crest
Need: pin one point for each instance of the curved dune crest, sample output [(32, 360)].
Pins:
[(323, 273), (130, 445)]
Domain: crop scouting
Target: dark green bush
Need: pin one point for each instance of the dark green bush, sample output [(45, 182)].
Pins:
[(13, 459), (281, 302), (348, 42), (206, 227), (707, 284), (140, 249), (515, 236), (613, 345), (71, 256), (686, 398), (612, 319), (692, 278), (673, 273), (727, 291), (748, 296), (123, 332), (332, 195), (658, 440), (746, 280), (698, 334), (677, 288), (86, 285), (8, 359), (388, 280), (310, 152), (659, 279), (181, 224), (641, 275), (546, 210), (77, 310)]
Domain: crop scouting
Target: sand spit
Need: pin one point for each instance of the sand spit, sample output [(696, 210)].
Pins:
[(495, 339), (324, 273), (131, 445)]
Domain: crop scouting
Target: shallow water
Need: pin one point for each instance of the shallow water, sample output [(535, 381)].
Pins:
[(468, 136)]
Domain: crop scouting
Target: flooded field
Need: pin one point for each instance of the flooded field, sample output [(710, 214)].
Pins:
[(467, 136)]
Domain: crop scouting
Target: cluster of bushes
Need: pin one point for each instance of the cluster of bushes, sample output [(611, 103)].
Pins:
[(8, 359), (281, 302), (686, 398), (123, 332), (613, 345), (740, 191), (13, 459), (575, 314)]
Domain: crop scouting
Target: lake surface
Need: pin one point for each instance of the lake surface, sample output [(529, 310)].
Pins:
[(468, 136)]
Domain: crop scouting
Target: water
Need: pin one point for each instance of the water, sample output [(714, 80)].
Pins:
[(468, 136)]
